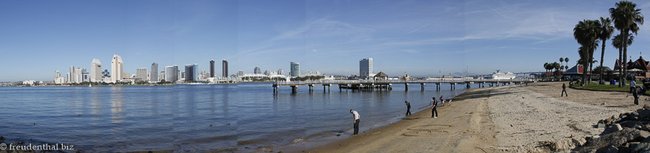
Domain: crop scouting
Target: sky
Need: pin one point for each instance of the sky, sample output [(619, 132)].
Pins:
[(421, 38)]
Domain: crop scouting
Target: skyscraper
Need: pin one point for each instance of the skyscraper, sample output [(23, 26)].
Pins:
[(117, 69), (224, 68), (257, 70), (96, 70), (212, 68), (365, 68), (141, 74), (153, 76), (171, 73), (191, 73), (295, 69), (75, 75), (161, 75), (85, 76)]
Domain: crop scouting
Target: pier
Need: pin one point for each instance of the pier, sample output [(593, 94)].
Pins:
[(387, 84)]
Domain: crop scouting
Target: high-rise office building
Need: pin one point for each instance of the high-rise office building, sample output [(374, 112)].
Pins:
[(141, 74), (295, 69), (212, 68), (58, 78), (153, 76), (117, 70), (171, 73), (96, 70), (191, 73), (224, 68), (257, 70), (365, 68), (85, 76), (75, 75), (161, 75)]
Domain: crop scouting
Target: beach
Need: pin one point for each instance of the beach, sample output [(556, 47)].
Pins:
[(530, 118)]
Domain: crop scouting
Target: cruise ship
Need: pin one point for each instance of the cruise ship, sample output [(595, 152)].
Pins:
[(501, 76)]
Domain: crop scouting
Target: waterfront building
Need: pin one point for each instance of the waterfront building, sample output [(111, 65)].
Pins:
[(171, 73), (161, 76), (279, 72), (240, 73), (85, 76), (191, 73), (257, 70), (365, 68), (141, 74), (295, 69), (212, 68), (75, 75), (224, 68), (58, 78), (153, 76), (117, 70), (96, 70)]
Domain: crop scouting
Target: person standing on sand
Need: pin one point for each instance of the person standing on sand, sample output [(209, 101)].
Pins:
[(408, 108), (442, 101), (635, 93), (434, 111), (564, 90), (356, 117), (632, 86)]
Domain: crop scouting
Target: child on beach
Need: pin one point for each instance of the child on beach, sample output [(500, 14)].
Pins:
[(356, 117), (408, 108), (434, 111)]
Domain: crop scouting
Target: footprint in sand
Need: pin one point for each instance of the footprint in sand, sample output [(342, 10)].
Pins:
[(426, 130)]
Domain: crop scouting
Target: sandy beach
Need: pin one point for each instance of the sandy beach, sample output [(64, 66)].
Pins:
[(530, 118)]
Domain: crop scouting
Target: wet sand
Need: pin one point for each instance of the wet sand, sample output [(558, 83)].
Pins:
[(505, 119), (462, 126)]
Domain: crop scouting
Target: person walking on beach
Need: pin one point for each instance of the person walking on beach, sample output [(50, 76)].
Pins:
[(564, 90), (434, 111), (408, 108), (635, 93), (356, 117), (632, 87), (442, 101)]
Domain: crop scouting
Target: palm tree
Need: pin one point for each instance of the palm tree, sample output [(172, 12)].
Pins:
[(627, 18), (566, 59), (586, 33), (546, 67), (617, 42), (606, 30), (561, 61)]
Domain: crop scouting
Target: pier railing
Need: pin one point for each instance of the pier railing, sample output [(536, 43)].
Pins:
[(442, 80)]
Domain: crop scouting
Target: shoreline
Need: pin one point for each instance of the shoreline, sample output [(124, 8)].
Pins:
[(532, 118), (417, 127)]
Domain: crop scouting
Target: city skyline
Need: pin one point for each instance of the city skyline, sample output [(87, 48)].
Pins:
[(326, 36)]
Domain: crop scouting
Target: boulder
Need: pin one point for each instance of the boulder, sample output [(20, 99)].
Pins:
[(607, 149), (640, 147)]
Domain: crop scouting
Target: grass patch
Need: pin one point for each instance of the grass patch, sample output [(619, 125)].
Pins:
[(605, 87)]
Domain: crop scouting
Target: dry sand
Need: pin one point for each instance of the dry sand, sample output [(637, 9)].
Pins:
[(505, 119)]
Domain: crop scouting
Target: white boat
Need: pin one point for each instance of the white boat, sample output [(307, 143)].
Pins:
[(501, 76)]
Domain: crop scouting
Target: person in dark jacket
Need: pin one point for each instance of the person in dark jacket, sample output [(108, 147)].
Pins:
[(408, 108)]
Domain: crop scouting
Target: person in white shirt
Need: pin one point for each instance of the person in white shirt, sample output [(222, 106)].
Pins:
[(356, 117)]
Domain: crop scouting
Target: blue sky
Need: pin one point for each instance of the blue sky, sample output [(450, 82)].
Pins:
[(330, 36)]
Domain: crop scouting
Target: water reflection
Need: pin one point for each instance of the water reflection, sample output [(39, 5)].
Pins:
[(116, 104)]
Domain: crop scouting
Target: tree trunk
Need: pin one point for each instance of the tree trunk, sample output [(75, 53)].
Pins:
[(620, 67), (602, 55), (624, 57), (585, 67)]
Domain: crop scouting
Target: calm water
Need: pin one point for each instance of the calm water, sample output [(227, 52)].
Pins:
[(197, 118)]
